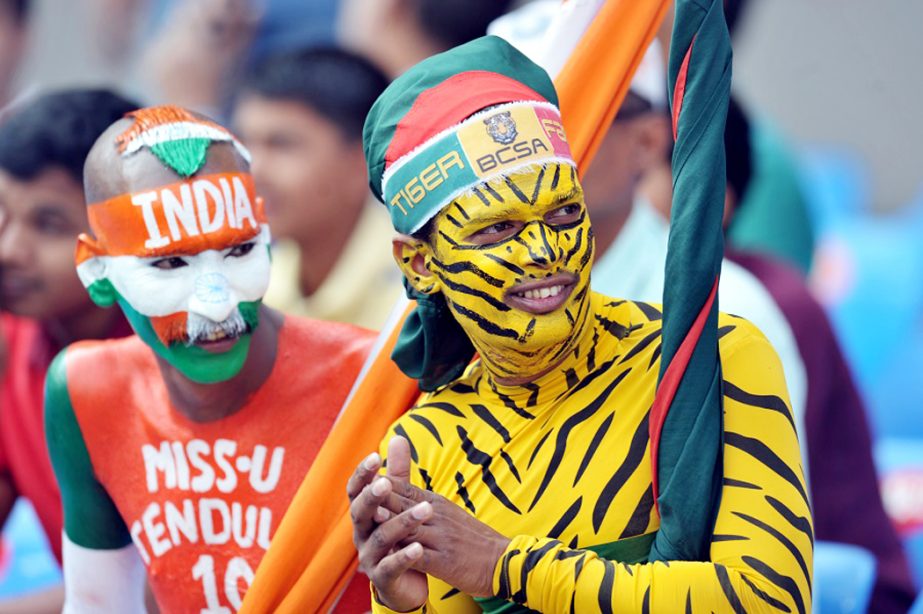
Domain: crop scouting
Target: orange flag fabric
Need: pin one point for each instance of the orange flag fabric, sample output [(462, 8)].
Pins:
[(312, 558)]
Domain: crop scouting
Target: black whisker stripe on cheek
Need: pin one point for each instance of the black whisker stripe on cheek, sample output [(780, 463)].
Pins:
[(578, 245), (570, 318), (490, 190), (468, 267), (538, 186), (451, 219), (480, 196), (486, 325), (516, 191), (509, 266), (588, 252), (463, 289), (461, 210)]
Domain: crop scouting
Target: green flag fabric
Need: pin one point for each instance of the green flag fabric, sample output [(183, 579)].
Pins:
[(686, 420)]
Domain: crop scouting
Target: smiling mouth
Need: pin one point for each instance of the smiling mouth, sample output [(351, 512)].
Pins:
[(545, 296)]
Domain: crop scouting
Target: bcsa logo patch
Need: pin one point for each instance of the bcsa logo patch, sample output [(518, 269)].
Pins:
[(502, 128)]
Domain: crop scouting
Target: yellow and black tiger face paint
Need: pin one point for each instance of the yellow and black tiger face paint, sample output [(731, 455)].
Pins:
[(512, 259)]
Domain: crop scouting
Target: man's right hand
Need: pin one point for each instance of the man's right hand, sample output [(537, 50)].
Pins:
[(377, 532)]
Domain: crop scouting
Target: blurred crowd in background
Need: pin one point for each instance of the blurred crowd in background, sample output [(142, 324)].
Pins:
[(825, 185)]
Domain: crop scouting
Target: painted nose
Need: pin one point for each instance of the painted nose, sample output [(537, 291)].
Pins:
[(213, 298), (539, 245)]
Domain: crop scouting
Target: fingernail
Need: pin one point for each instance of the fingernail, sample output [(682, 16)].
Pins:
[(414, 550), (421, 510), (379, 487), (371, 461)]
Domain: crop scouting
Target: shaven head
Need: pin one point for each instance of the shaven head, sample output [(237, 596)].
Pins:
[(180, 238), (119, 164)]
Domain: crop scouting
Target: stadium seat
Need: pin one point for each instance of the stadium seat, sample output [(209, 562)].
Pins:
[(843, 578)]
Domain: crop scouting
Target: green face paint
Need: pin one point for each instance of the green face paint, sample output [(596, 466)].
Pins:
[(197, 364)]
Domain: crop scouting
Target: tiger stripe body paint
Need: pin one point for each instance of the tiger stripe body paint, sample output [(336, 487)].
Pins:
[(562, 466), (555, 240)]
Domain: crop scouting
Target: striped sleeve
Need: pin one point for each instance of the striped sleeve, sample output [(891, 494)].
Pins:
[(761, 551)]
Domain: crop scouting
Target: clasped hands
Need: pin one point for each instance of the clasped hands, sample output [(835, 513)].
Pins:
[(403, 533)]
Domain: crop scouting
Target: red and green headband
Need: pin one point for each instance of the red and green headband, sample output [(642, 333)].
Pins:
[(456, 120)]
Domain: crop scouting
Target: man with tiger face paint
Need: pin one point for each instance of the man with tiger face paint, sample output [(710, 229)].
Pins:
[(515, 277), (523, 480), (179, 449)]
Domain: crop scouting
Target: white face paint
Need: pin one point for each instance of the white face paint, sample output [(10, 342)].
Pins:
[(210, 284)]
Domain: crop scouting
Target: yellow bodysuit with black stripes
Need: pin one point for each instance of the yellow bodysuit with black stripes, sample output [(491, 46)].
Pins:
[(562, 467)]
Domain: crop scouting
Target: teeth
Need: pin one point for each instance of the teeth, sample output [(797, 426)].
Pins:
[(541, 293)]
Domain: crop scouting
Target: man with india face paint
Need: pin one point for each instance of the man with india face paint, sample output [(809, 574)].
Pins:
[(180, 448), (523, 480)]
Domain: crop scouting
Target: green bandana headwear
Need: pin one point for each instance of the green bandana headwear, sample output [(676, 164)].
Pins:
[(456, 120)]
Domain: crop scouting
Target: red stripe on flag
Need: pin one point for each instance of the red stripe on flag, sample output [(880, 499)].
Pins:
[(680, 90), (451, 102), (670, 382)]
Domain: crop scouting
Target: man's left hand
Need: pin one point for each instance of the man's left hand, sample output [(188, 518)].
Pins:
[(458, 548)]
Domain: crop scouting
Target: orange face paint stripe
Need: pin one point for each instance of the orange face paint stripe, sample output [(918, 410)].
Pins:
[(187, 217), (170, 328)]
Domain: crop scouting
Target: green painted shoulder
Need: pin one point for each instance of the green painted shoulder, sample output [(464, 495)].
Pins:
[(91, 519)]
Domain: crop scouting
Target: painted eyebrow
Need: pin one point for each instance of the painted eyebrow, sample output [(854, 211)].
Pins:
[(490, 218), (561, 198)]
